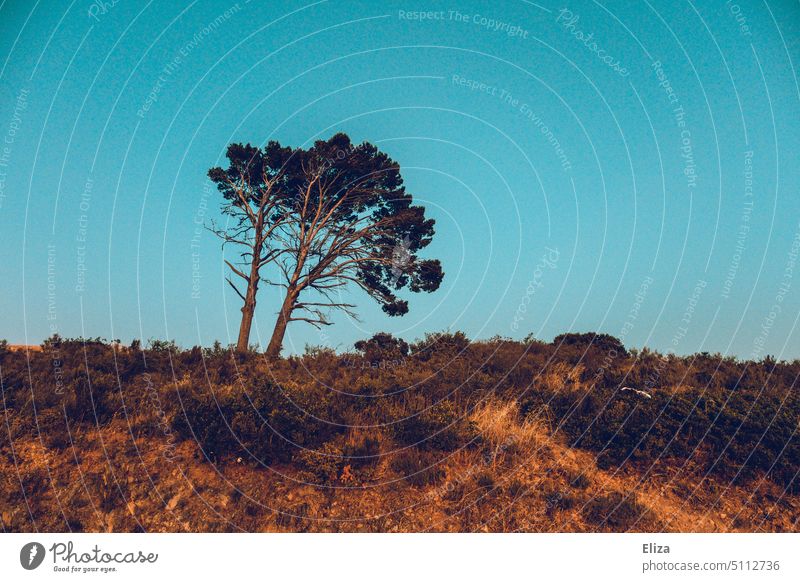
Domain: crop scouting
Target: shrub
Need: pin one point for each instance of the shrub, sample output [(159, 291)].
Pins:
[(438, 427), (742, 437), (614, 511), (300, 416), (440, 344), (383, 350), (585, 341), (485, 480), (93, 398), (517, 489), (361, 450), (52, 427), (325, 464), (228, 422), (580, 481), (557, 500), (266, 422), (206, 418), (418, 468)]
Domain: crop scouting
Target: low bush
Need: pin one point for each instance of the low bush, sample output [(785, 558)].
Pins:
[(383, 350), (440, 427), (324, 464), (417, 468), (264, 421), (361, 450), (738, 436), (614, 511)]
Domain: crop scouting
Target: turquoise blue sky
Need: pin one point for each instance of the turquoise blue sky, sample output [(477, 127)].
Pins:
[(641, 181)]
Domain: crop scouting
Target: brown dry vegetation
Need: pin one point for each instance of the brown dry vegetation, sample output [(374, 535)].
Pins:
[(442, 435)]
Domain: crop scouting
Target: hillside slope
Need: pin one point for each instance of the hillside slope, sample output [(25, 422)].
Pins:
[(492, 436)]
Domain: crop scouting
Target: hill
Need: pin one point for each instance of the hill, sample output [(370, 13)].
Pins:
[(441, 435)]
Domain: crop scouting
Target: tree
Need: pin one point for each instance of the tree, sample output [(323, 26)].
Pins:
[(253, 188), (348, 220)]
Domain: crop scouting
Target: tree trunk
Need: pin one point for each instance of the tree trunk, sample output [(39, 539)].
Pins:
[(248, 309), (276, 342)]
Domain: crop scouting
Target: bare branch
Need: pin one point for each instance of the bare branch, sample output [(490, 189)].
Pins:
[(239, 293), (237, 271)]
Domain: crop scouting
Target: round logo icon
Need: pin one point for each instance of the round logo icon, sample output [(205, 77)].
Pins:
[(31, 555)]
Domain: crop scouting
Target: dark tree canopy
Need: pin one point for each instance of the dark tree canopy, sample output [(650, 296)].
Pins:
[(599, 341), (382, 346), (358, 223), (254, 174)]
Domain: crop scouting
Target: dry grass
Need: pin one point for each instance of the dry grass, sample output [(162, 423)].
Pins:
[(520, 479), (564, 377)]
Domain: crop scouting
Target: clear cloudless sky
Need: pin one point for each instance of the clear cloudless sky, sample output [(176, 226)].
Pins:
[(641, 181)]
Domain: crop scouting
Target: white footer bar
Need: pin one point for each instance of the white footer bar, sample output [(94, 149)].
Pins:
[(401, 557)]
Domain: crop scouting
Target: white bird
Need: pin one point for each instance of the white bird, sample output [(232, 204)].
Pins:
[(639, 392)]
